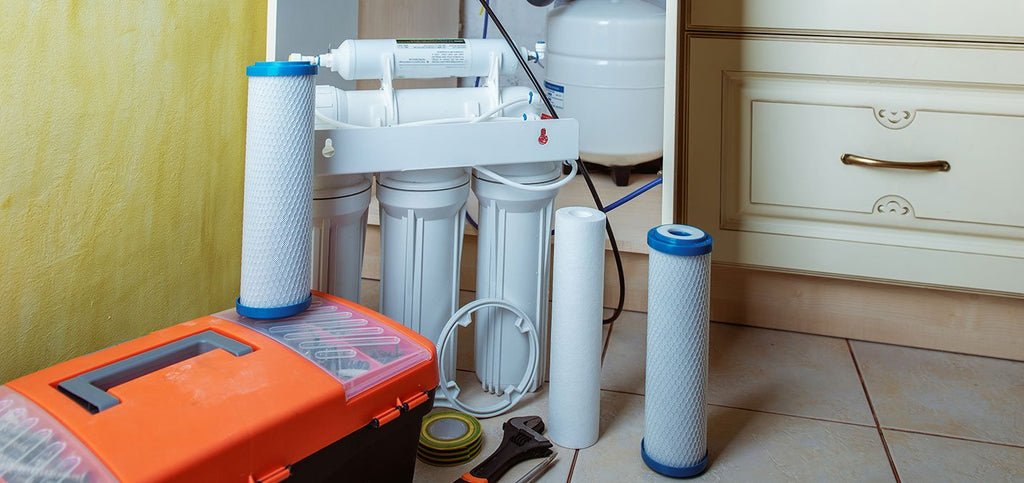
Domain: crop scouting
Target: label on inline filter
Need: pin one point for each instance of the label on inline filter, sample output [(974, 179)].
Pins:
[(416, 54), (555, 93)]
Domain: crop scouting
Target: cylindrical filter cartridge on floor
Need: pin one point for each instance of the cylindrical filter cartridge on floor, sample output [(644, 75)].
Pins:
[(513, 259), (340, 206), (422, 220), (678, 290), (574, 399), (277, 216)]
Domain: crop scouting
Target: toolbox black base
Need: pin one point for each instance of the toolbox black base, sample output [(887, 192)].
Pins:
[(384, 454)]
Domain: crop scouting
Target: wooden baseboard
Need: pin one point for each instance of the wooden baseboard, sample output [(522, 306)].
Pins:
[(912, 316)]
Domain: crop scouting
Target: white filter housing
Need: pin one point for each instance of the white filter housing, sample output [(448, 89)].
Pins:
[(340, 207), (422, 221), (606, 67), (513, 256)]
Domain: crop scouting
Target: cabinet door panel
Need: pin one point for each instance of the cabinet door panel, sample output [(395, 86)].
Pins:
[(769, 120)]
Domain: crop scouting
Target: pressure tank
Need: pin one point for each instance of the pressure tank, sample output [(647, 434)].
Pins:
[(605, 67)]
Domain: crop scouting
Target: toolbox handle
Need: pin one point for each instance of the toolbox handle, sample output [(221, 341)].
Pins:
[(90, 389)]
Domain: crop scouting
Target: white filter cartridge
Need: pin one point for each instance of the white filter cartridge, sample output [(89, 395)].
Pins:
[(574, 409), (675, 413), (277, 215)]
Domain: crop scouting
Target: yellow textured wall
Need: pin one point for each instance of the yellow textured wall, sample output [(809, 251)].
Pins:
[(122, 128)]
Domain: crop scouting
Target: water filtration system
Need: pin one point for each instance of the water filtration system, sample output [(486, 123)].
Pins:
[(306, 380), (426, 150), (678, 300)]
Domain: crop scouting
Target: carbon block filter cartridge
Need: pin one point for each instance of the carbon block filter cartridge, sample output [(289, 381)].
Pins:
[(675, 414), (277, 216)]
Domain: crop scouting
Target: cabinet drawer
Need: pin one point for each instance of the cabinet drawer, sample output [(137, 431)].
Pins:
[(998, 20), (769, 120)]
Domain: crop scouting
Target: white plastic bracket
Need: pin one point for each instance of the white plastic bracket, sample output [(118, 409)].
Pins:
[(457, 145)]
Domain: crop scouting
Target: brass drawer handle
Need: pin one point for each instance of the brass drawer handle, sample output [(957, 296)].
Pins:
[(937, 165)]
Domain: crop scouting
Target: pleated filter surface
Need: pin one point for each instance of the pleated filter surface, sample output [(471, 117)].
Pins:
[(675, 419), (278, 192)]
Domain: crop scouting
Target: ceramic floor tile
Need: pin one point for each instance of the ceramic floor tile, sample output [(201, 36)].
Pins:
[(751, 368), (531, 405), (943, 393), (623, 367), (921, 457), (742, 445)]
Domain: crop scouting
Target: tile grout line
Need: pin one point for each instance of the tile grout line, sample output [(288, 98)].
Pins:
[(572, 466), (891, 344), (958, 438), (763, 411), (871, 406), (809, 418)]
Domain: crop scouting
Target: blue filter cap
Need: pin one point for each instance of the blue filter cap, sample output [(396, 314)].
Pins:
[(272, 312), (672, 471), (280, 69), (683, 240)]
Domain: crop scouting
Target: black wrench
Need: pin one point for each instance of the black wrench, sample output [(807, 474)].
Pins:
[(522, 441)]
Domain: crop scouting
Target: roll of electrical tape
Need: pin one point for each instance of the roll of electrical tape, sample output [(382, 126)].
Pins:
[(449, 438)]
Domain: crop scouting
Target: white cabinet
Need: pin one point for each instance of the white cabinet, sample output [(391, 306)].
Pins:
[(769, 118)]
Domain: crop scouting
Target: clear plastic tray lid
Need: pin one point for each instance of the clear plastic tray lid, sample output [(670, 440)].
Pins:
[(34, 447), (358, 349)]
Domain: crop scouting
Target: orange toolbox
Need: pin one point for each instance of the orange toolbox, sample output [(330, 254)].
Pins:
[(333, 394)]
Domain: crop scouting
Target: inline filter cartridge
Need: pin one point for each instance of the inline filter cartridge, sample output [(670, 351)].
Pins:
[(277, 209), (675, 414)]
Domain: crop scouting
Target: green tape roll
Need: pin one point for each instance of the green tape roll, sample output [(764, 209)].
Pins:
[(453, 459), (449, 438)]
